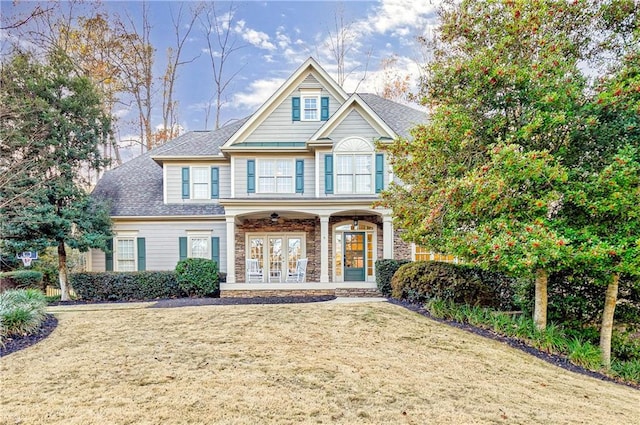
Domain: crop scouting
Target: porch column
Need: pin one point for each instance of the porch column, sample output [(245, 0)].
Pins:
[(387, 236), (231, 249), (324, 249)]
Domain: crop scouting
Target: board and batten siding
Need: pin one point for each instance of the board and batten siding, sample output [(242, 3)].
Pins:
[(279, 127), (161, 241), (241, 176), (354, 125), (174, 182)]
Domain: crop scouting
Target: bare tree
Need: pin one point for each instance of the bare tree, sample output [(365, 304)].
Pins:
[(342, 41), (221, 43), (182, 27), (138, 71)]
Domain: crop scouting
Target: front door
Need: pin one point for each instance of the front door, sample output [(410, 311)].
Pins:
[(354, 258)]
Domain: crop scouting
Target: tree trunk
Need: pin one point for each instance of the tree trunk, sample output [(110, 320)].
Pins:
[(606, 330), (62, 273), (540, 309)]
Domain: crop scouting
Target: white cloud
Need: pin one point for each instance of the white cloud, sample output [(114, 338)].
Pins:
[(258, 39), (401, 17), (257, 93)]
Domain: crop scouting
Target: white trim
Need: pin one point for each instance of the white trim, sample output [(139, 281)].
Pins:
[(192, 182), (355, 102), (374, 252), (165, 190), (126, 235), (310, 94), (275, 176), (288, 87), (233, 176)]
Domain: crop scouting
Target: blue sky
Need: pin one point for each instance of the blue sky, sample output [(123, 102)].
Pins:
[(278, 36)]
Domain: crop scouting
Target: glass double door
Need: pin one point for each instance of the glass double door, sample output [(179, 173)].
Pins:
[(276, 255)]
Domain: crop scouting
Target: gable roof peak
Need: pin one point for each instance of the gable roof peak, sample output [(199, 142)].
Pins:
[(307, 67)]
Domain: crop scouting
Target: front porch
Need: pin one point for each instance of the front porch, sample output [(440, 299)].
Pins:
[(339, 240)]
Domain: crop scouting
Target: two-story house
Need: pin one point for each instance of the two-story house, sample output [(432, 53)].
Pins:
[(295, 180)]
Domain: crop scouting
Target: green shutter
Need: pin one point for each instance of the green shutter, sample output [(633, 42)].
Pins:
[(183, 247), (215, 250), (328, 173), (185, 182), (142, 255), (251, 176), (215, 182), (108, 256), (324, 108), (299, 176), (379, 172), (295, 109)]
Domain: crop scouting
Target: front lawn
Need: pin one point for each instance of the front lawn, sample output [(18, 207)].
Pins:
[(369, 363)]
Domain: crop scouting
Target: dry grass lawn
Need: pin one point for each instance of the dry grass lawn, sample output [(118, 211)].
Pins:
[(369, 363)]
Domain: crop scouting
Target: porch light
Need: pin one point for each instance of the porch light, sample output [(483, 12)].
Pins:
[(274, 217), (355, 222)]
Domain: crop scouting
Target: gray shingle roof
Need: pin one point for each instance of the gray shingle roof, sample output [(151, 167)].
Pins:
[(400, 118), (135, 187)]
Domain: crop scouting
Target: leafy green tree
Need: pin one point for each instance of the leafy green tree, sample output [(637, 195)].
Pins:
[(504, 72), (56, 126), (604, 203), (606, 218)]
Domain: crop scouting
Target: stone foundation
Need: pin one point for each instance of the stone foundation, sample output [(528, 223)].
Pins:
[(339, 292), (276, 293), (357, 292)]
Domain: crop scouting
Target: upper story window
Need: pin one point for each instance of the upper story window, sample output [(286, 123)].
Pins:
[(200, 182), (353, 173), (355, 167), (276, 176), (311, 108)]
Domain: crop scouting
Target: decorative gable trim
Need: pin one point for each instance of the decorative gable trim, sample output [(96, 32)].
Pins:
[(287, 88), (354, 103)]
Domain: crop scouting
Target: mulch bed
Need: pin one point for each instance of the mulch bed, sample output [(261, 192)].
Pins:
[(554, 359), (19, 342)]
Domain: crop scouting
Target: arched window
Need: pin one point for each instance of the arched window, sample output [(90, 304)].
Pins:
[(354, 166)]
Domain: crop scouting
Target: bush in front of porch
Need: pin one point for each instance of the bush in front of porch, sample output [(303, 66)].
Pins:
[(198, 277)]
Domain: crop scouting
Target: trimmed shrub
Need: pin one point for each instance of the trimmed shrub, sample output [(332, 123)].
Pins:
[(21, 279), (461, 284), (22, 311), (385, 269), (125, 286), (198, 277)]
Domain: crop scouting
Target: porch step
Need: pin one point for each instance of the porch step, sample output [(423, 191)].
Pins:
[(358, 292), (338, 292)]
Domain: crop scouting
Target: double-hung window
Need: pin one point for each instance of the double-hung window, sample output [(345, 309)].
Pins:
[(276, 176), (200, 182), (311, 108), (353, 173), (125, 255)]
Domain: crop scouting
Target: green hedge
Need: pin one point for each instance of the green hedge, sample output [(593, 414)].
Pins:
[(385, 270), (125, 286), (424, 280), (21, 279), (198, 277)]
